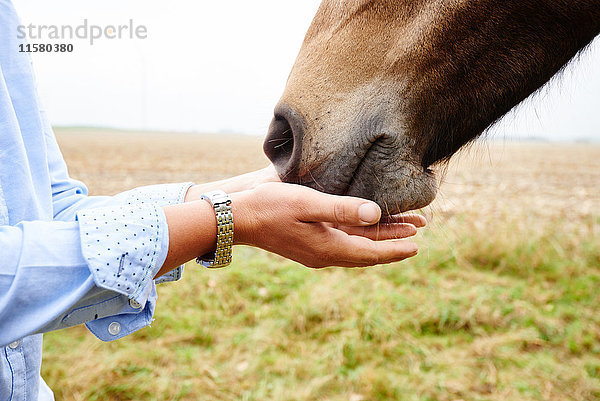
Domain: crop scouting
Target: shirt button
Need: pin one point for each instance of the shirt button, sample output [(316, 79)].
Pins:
[(13, 345), (135, 304), (114, 328)]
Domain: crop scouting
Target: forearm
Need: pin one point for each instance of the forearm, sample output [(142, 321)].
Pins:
[(192, 232), (231, 185)]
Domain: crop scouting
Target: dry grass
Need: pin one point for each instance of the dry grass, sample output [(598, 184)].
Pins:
[(502, 303)]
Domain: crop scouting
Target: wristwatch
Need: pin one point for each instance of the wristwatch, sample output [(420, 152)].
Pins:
[(221, 202)]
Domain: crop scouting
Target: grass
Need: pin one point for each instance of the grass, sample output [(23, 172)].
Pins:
[(477, 317), (501, 303)]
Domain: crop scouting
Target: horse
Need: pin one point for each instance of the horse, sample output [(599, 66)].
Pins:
[(383, 92)]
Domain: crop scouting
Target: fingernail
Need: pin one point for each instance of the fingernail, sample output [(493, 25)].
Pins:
[(369, 213)]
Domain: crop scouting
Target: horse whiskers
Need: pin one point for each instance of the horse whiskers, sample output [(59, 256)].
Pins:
[(281, 139), (285, 176), (387, 208), (321, 187), (283, 144)]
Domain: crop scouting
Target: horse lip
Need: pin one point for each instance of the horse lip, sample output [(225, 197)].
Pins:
[(359, 165)]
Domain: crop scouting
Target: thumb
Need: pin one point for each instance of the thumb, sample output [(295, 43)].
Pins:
[(342, 210)]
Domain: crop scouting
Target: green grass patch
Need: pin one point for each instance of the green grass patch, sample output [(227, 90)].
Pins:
[(495, 311)]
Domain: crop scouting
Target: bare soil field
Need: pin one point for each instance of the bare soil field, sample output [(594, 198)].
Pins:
[(487, 179), (111, 161)]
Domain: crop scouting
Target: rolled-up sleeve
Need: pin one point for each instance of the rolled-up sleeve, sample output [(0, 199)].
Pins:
[(161, 195), (124, 247), (97, 269)]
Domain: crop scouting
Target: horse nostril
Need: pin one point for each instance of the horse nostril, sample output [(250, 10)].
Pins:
[(283, 145), (279, 144)]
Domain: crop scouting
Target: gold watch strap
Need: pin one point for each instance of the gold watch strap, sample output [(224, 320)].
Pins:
[(221, 202)]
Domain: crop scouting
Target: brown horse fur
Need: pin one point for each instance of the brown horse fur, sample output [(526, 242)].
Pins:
[(384, 89)]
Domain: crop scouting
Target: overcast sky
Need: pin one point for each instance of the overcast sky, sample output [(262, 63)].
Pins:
[(221, 66)]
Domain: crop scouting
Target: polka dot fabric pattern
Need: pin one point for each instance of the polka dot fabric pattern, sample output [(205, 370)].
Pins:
[(124, 247), (162, 195), (126, 244)]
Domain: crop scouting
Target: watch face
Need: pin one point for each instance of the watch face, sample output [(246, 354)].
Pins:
[(216, 197)]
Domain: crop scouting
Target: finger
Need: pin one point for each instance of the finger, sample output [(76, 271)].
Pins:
[(382, 232), (340, 210), (415, 219), (356, 251), (365, 252), (269, 174)]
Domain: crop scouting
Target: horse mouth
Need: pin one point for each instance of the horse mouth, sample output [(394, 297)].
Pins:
[(378, 173)]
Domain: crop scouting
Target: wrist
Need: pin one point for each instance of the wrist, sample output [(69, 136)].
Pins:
[(221, 203), (242, 210), (193, 194), (245, 218)]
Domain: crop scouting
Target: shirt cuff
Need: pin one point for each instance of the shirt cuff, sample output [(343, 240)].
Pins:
[(126, 316), (162, 195), (125, 247)]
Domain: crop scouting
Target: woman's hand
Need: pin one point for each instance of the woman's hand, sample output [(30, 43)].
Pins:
[(299, 223), (320, 230)]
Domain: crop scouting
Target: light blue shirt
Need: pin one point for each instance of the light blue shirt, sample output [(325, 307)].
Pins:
[(65, 258)]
